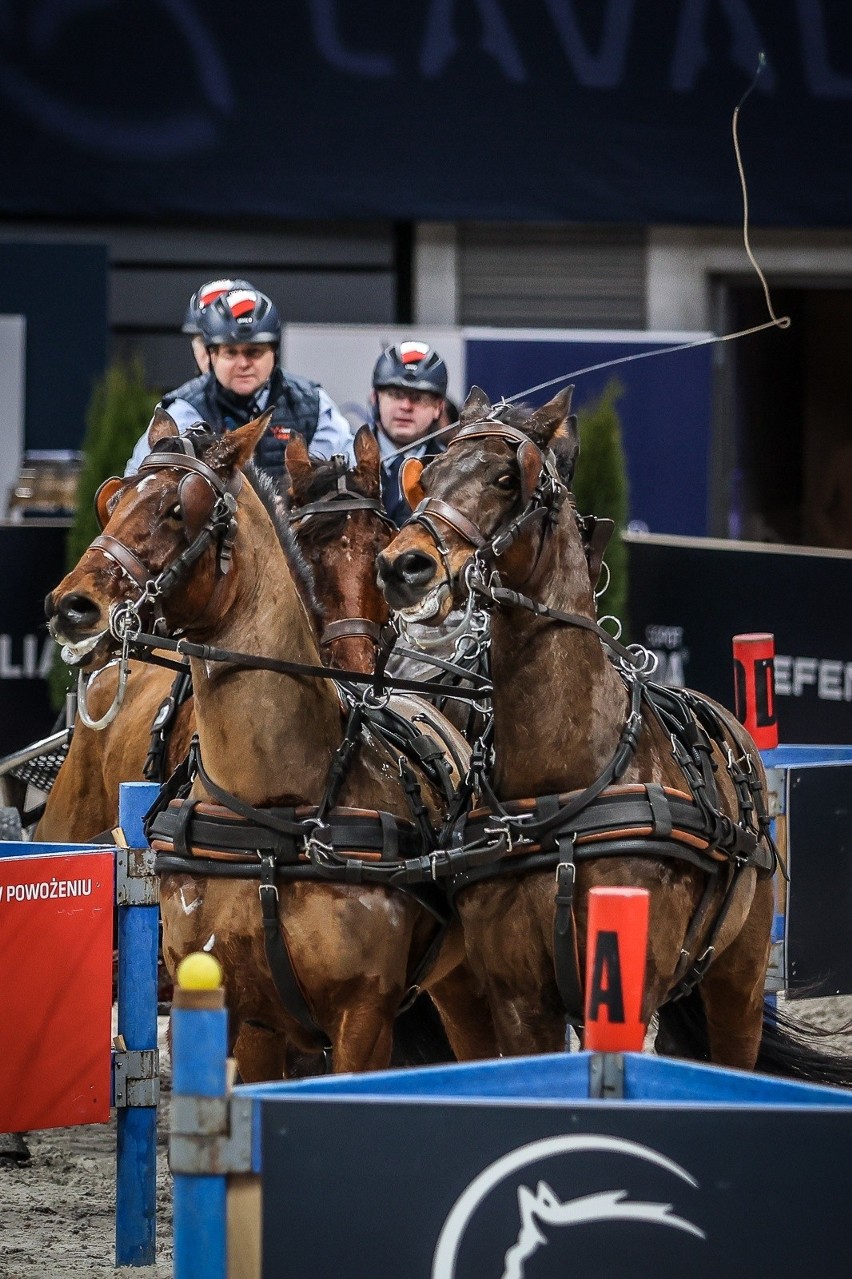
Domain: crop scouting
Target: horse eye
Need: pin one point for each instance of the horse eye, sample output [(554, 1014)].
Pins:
[(175, 512), (506, 482)]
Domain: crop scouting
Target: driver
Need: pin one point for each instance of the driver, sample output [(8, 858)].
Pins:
[(241, 331), (409, 390), (196, 306)]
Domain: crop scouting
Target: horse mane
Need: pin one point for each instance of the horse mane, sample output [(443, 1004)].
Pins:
[(276, 504)]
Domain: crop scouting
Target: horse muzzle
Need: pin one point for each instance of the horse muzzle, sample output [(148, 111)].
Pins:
[(412, 581), (76, 623)]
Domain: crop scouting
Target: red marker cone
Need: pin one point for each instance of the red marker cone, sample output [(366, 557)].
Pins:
[(754, 687), (616, 954)]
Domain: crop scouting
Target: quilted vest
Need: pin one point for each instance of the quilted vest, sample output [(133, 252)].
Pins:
[(294, 402)]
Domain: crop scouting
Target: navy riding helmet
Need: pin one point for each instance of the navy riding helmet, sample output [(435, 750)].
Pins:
[(414, 366), (202, 298), (240, 315)]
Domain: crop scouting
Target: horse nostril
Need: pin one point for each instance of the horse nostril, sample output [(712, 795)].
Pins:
[(415, 568), (78, 611)]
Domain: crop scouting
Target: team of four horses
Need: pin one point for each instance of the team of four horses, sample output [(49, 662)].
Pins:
[(339, 848)]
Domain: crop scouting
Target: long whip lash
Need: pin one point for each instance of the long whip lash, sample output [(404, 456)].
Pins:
[(774, 321)]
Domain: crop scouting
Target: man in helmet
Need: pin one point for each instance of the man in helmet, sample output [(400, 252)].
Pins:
[(197, 304), (241, 331), (409, 386)]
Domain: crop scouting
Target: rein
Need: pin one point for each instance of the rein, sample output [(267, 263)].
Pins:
[(220, 525), (125, 619)]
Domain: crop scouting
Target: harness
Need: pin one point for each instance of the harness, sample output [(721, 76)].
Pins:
[(274, 844), (606, 819), (341, 499)]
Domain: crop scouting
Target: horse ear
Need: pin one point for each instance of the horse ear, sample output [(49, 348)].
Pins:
[(409, 481), (551, 418), (368, 461), (162, 424), (299, 466), (234, 449), (476, 406), (104, 496)]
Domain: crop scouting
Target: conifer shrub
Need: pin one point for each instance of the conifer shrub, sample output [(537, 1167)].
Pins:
[(601, 488), (118, 413)]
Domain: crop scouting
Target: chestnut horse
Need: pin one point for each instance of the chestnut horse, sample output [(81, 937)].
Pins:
[(340, 528), (596, 773), (193, 525)]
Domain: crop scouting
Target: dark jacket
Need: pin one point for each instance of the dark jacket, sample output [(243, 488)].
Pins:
[(294, 401)]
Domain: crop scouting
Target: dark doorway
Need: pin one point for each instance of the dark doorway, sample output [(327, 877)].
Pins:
[(783, 456)]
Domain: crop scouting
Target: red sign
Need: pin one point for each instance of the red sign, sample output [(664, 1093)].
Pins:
[(754, 687), (55, 989), (616, 954)]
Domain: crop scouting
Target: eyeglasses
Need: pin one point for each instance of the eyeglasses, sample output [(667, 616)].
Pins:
[(416, 397), (242, 352)]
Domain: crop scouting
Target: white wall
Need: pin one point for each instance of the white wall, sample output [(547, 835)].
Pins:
[(341, 357), (12, 364)]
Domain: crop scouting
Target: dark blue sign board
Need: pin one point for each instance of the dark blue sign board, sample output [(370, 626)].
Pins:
[(33, 559), (819, 906), (688, 598), (506, 1170), (664, 407), (61, 290)]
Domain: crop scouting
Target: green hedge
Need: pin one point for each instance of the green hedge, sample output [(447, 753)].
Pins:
[(601, 488), (118, 412)]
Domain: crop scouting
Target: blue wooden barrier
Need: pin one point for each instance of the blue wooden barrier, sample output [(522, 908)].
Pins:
[(199, 1046), (136, 1143)]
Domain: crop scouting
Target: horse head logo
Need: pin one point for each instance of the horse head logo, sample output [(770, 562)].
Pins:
[(541, 1210)]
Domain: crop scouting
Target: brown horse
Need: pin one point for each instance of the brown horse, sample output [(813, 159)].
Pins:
[(267, 741), (340, 528), (593, 773)]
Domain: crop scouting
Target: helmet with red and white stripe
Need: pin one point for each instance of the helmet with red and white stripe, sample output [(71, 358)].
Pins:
[(414, 366), (202, 298), (240, 315)]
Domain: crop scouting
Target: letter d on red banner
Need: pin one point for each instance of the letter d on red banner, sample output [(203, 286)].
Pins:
[(754, 687), (616, 954)]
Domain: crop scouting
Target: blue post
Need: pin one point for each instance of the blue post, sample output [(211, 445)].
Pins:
[(136, 1150), (199, 1058)]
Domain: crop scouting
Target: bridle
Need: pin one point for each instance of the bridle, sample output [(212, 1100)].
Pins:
[(542, 497), (343, 500), (208, 509)]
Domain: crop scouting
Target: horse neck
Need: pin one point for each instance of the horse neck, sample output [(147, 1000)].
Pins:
[(558, 702), (265, 737)]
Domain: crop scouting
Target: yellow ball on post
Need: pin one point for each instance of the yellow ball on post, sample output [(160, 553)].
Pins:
[(199, 971)]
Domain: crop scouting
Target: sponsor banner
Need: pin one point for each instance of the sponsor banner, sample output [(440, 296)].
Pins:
[(378, 1189), (580, 110), (33, 559), (689, 597), (56, 957)]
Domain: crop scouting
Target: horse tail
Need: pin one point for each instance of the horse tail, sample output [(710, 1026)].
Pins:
[(419, 1038), (789, 1047)]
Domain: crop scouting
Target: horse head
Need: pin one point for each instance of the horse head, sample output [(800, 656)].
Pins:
[(172, 523), (339, 522), (490, 498)]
